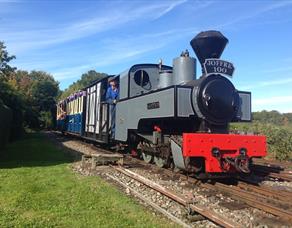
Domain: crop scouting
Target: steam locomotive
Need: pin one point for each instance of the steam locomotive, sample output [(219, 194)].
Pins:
[(166, 115)]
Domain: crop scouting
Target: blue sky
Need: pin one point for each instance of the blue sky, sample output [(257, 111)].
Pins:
[(68, 38)]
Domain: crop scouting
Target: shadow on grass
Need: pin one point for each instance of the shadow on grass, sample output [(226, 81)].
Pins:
[(35, 149)]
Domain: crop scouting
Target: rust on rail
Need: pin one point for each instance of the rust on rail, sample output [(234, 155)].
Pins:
[(251, 200), (211, 215)]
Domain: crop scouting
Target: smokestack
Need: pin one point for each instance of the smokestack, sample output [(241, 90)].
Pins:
[(208, 44)]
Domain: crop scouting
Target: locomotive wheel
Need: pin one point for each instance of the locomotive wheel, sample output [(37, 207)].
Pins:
[(147, 157), (160, 162)]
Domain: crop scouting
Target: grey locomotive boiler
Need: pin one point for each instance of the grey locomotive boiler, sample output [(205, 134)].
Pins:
[(171, 116)]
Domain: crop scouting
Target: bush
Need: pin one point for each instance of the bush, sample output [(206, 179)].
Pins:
[(13, 100), (5, 124), (279, 139), (46, 120)]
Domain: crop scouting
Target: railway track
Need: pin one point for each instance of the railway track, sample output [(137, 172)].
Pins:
[(273, 169), (252, 198), (266, 191), (260, 197), (186, 202), (263, 198), (272, 163), (149, 202), (272, 172)]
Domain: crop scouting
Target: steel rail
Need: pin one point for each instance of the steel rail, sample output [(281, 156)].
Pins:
[(251, 200), (271, 169), (282, 176), (154, 205), (271, 163), (281, 195), (211, 215)]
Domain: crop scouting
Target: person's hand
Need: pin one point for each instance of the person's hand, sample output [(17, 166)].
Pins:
[(114, 101)]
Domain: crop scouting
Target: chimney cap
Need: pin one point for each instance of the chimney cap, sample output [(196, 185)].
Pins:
[(208, 44)]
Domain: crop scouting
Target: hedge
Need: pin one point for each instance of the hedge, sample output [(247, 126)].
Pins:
[(5, 124), (279, 139)]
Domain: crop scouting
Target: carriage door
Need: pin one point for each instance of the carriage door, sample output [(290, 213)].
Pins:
[(96, 121)]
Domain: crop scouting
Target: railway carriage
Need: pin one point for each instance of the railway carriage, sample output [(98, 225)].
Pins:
[(86, 113), (169, 116), (70, 114), (61, 116)]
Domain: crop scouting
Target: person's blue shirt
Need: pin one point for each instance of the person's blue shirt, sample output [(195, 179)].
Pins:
[(112, 94)]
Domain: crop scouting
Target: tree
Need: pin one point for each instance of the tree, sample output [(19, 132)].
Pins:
[(85, 80), (9, 96), (46, 120), (13, 100), (44, 90), (31, 96), (41, 95), (273, 117), (38, 91), (5, 58), (276, 127)]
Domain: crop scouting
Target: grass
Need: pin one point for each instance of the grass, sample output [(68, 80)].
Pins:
[(38, 189)]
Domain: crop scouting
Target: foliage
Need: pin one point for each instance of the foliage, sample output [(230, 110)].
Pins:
[(14, 100), (278, 129), (85, 80), (9, 96), (39, 91), (46, 120), (279, 139), (5, 126), (274, 117), (38, 189), (32, 95), (5, 58)]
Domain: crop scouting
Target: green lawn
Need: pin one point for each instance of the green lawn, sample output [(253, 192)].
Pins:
[(38, 189)]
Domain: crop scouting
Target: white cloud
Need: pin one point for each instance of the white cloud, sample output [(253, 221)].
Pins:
[(279, 69), (273, 100), (281, 81), (252, 14), (27, 38), (72, 72), (121, 49), (170, 8), (276, 82), (280, 103)]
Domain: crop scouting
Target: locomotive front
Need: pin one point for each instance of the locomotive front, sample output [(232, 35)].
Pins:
[(216, 102), (184, 121), (214, 98)]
